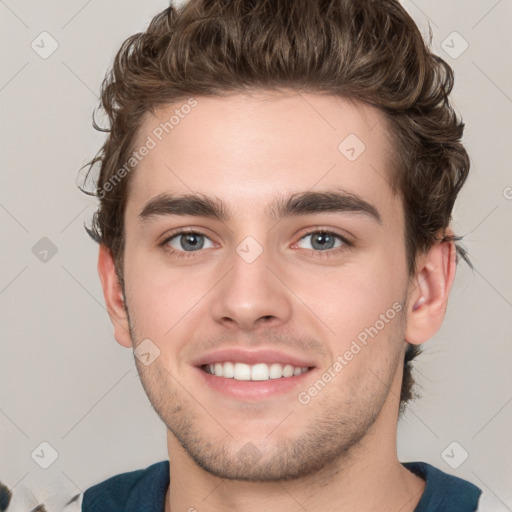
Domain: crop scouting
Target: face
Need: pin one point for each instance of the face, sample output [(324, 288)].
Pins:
[(264, 242)]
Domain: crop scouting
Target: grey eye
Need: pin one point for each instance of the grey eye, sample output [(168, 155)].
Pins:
[(190, 242), (321, 241)]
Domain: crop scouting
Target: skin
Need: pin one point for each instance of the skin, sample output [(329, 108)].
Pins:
[(245, 150)]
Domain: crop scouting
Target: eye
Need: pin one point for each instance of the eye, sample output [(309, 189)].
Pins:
[(188, 241), (322, 241)]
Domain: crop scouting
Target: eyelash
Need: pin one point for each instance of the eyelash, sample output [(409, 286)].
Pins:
[(320, 254)]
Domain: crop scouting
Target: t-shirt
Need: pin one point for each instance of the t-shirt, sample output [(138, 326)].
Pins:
[(144, 490)]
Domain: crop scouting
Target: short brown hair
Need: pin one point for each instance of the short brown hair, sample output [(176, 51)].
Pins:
[(365, 50)]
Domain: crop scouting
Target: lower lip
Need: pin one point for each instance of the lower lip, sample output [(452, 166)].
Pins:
[(253, 389)]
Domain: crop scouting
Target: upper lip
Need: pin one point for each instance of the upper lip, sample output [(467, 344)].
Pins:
[(241, 355)]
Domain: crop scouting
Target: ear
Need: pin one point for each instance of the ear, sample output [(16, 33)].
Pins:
[(428, 292), (113, 294)]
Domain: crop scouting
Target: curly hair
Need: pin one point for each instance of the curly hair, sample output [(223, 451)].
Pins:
[(370, 51)]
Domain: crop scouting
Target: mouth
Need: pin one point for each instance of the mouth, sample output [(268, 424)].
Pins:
[(251, 375), (254, 372)]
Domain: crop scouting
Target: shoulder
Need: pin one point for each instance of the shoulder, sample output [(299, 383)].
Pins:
[(443, 491), (140, 490)]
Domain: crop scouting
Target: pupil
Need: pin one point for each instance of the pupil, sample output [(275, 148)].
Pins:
[(322, 241)]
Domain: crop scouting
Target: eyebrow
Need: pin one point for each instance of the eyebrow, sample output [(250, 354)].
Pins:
[(304, 203)]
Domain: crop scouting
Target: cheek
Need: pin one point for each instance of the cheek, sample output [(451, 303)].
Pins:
[(160, 297), (356, 298)]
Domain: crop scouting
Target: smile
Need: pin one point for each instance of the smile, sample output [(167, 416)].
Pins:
[(256, 372)]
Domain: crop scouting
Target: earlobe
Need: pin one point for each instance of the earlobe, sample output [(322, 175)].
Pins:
[(429, 291), (113, 295)]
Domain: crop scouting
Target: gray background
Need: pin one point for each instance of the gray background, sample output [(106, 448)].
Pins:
[(64, 379)]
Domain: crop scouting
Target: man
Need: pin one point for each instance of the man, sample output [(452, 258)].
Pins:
[(275, 197)]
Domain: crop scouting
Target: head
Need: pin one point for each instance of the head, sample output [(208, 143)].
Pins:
[(259, 119)]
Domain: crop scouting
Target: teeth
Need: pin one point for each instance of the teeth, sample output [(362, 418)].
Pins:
[(288, 371), (259, 371), (242, 372), (276, 371), (228, 370)]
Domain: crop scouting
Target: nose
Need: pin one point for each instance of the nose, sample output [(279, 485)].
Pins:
[(251, 295)]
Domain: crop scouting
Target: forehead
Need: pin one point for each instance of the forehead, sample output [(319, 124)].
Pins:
[(244, 148)]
